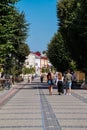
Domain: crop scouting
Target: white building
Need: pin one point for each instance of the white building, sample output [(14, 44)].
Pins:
[(37, 60), (30, 61)]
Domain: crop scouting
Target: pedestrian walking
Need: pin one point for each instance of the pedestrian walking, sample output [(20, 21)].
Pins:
[(68, 79), (60, 83), (7, 84), (50, 82), (41, 78), (73, 79)]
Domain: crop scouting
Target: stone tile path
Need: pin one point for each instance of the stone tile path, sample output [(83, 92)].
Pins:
[(32, 108)]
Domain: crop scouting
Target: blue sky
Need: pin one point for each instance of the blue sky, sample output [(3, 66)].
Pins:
[(41, 14)]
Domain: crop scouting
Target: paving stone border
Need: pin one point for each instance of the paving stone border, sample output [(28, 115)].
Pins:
[(80, 97), (50, 121)]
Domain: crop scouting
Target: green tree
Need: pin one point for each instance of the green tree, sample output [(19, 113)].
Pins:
[(81, 27), (6, 27), (57, 53), (13, 33), (66, 14), (30, 70), (73, 27)]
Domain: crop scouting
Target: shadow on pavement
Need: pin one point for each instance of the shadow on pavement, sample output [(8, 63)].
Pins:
[(35, 85)]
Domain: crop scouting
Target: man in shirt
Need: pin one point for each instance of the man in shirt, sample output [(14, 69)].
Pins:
[(68, 79)]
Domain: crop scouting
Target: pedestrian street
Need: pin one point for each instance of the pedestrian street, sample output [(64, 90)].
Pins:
[(32, 108)]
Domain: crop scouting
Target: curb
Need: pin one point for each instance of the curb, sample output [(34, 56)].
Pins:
[(10, 93)]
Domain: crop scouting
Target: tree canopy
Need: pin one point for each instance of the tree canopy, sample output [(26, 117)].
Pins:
[(13, 33), (57, 53), (73, 27)]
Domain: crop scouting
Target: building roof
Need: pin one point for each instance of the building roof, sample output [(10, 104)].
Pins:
[(44, 57), (39, 55)]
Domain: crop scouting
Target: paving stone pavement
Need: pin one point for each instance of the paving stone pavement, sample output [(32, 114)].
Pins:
[(32, 108)]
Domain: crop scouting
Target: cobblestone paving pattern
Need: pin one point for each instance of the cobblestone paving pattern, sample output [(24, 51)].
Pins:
[(70, 111), (22, 112), (32, 108), (50, 120)]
